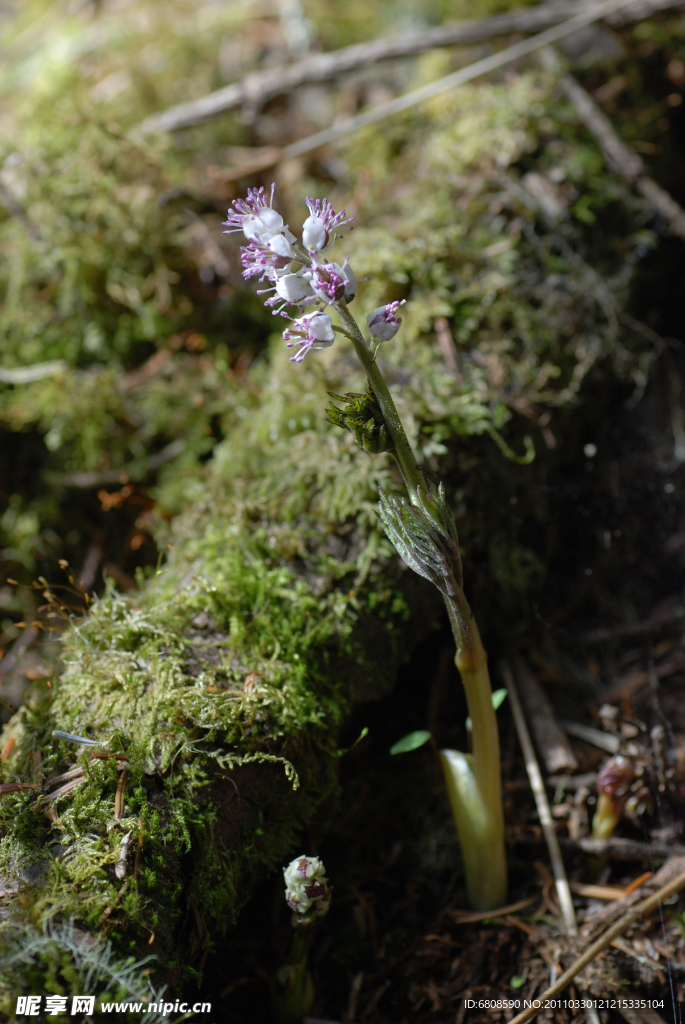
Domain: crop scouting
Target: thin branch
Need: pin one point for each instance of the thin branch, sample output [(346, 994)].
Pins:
[(621, 926), (471, 916), (568, 911), (544, 813), (258, 88), (603, 740), (618, 848), (590, 13), (133, 471), (620, 158), (626, 630)]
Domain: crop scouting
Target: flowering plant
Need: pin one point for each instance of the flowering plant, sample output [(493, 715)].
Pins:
[(421, 526), (308, 895)]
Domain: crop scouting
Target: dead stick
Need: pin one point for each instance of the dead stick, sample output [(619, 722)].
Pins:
[(120, 795), (622, 925), (550, 739), (542, 804), (620, 158), (545, 815), (260, 87), (589, 14)]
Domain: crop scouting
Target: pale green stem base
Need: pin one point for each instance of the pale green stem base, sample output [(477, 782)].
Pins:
[(606, 819), (474, 781)]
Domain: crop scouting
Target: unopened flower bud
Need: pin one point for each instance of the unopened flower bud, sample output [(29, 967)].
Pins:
[(307, 892), (314, 234), (350, 282), (613, 785), (383, 323)]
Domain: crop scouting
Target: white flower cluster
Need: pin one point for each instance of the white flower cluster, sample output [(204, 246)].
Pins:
[(297, 274), (307, 892)]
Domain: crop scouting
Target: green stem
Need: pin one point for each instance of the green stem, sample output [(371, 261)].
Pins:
[(474, 784), (403, 453), (292, 989)]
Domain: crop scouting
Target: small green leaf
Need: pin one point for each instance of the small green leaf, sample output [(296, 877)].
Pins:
[(411, 741), (517, 981), (498, 697), (342, 751)]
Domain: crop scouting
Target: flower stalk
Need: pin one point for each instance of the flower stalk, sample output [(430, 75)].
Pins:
[(404, 456), (421, 526), (308, 895)]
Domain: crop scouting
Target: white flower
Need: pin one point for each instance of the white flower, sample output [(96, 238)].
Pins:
[(311, 331), (332, 282), (314, 234), (319, 229), (262, 227), (294, 288), (328, 281), (280, 245), (307, 892)]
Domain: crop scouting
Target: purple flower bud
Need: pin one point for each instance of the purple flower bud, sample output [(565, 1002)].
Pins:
[(613, 787), (311, 331), (383, 323), (616, 776)]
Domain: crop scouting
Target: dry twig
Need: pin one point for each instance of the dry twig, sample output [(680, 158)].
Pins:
[(471, 916), (626, 630), (258, 88), (621, 926), (589, 13), (544, 813), (625, 849), (620, 158)]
